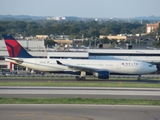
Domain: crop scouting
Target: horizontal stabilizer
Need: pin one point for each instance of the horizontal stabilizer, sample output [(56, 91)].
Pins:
[(17, 60)]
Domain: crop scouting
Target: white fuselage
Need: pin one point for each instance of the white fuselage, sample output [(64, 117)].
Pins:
[(113, 66)]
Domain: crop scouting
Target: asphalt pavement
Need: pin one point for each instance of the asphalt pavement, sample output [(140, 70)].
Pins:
[(83, 92), (78, 112)]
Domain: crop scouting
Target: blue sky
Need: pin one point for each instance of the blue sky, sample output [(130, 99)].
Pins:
[(81, 8)]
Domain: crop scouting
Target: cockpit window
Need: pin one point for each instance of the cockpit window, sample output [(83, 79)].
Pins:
[(150, 65)]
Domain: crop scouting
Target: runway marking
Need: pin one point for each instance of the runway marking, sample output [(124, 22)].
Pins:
[(51, 116), (63, 117), (150, 115), (24, 114)]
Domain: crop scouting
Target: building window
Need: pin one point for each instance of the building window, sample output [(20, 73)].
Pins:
[(18, 67), (3, 66)]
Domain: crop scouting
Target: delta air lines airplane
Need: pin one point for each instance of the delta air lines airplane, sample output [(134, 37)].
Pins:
[(101, 69)]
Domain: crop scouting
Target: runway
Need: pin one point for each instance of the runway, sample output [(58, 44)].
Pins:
[(78, 112), (83, 92)]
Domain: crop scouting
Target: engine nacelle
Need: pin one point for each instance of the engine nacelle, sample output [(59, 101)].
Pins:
[(102, 74)]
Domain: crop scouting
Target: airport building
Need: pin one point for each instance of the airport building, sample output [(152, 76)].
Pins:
[(118, 38), (151, 27)]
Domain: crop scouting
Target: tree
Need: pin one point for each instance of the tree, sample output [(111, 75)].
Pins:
[(139, 30), (72, 28), (158, 34), (86, 42), (105, 41), (156, 44), (49, 43)]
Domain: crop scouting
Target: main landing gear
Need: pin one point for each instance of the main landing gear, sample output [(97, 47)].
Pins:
[(139, 78), (82, 76), (78, 78)]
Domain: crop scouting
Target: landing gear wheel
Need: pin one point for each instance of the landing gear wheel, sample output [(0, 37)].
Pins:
[(139, 78), (78, 78), (83, 78)]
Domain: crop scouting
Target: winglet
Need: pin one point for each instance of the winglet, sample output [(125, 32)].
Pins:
[(14, 48), (59, 63)]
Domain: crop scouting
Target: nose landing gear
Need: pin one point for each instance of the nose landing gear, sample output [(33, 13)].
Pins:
[(139, 78)]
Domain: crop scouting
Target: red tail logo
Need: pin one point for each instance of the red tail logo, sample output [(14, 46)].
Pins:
[(14, 48)]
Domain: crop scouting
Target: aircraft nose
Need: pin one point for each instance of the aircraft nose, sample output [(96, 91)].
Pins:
[(155, 67)]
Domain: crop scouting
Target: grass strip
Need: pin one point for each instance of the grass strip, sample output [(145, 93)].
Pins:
[(73, 77), (79, 101), (82, 84)]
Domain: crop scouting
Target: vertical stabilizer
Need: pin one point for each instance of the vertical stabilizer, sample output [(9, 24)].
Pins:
[(14, 48)]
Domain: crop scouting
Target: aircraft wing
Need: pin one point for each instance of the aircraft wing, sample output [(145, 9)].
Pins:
[(81, 68)]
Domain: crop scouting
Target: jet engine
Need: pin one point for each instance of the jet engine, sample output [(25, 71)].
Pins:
[(102, 74)]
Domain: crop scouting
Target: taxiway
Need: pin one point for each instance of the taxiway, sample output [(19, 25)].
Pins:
[(83, 92), (78, 112)]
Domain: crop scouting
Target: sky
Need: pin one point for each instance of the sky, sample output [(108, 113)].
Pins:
[(81, 8)]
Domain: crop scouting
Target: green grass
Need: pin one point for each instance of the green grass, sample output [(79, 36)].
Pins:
[(79, 101), (82, 84), (73, 77), (49, 81)]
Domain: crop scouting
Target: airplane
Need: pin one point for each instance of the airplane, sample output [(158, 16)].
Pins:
[(101, 69)]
